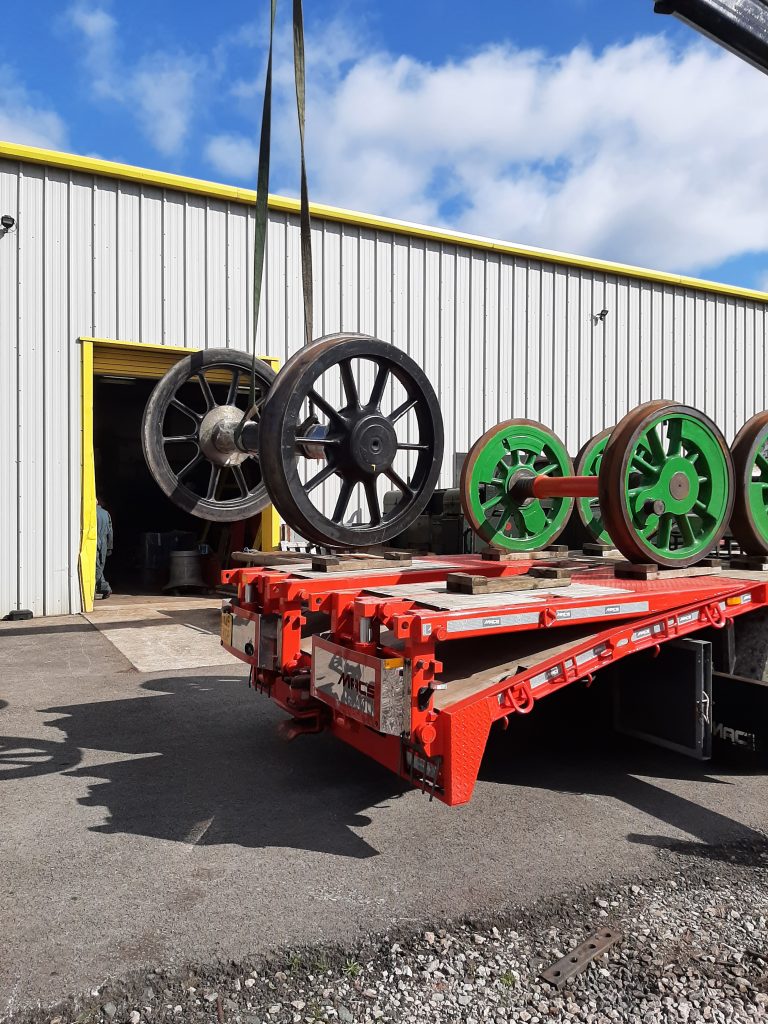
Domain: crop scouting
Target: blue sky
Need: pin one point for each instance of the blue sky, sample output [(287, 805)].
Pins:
[(591, 126)]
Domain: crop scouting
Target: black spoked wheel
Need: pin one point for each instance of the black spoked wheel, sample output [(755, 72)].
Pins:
[(348, 419), (188, 435)]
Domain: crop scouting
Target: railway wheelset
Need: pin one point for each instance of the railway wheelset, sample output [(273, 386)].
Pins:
[(349, 417)]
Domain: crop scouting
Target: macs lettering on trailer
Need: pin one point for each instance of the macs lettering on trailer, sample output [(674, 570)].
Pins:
[(350, 688)]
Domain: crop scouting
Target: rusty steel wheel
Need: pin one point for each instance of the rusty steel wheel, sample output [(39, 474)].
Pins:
[(503, 457), (666, 485), (749, 522)]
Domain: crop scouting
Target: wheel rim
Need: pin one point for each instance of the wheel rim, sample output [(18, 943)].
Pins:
[(378, 424), (497, 460), (588, 463), (188, 435), (666, 486), (749, 523)]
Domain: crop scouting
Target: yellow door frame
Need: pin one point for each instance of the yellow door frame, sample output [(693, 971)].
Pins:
[(269, 531)]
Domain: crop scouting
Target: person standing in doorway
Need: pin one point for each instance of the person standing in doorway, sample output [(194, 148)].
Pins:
[(104, 540)]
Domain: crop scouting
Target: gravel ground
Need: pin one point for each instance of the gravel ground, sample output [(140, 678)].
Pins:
[(694, 948)]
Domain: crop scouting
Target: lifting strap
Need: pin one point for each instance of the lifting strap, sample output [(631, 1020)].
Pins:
[(262, 187)]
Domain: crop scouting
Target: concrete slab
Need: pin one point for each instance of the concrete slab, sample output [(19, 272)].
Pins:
[(163, 633), (156, 817)]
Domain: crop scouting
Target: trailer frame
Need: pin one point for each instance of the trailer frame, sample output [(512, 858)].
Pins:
[(382, 658)]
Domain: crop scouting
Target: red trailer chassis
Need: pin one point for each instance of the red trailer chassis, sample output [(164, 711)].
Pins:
[(414, 676)]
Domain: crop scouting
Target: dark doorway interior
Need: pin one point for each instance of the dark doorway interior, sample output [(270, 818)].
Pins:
[(139, 509)]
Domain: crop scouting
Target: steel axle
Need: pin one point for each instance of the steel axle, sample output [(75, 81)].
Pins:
[(557, 487)]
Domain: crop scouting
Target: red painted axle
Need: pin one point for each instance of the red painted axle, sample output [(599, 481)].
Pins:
[(564, 487)]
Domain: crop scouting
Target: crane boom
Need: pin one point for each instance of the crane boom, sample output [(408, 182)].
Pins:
[(741, 26)]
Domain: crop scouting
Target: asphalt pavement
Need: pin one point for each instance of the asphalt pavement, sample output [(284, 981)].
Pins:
[(156, 818)]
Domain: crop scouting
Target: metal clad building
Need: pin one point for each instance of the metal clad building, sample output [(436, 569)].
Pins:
[(106, 251)]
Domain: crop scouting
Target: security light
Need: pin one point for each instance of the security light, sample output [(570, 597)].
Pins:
[(7, 221)]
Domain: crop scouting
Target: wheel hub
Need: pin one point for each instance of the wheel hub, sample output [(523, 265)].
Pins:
[(217, 436), (371, 446), (519, 486)]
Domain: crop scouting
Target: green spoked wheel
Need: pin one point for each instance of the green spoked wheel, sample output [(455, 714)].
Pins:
[(588, 463), (749, 522), (666, 485), (500, 459)]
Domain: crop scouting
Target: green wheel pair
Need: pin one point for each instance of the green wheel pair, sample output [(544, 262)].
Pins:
[(665, 485)]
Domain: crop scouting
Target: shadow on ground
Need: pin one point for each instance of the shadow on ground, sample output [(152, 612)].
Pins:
[(205, 766), (569, 746), (198, 760)]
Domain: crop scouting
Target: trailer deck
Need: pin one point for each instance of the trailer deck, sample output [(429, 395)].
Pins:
[(414, 674)]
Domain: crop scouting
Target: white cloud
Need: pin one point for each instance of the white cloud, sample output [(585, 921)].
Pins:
[(160, 90), (639, 153), (233, 156), (26, 119)]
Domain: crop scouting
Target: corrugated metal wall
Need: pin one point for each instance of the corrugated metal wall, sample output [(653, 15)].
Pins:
[(498, 335)]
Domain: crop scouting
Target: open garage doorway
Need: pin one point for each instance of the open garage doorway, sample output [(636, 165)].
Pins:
[(147, 525)]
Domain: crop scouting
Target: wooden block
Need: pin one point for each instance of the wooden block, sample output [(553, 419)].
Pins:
[(636, 571), (466, 583), (651, 571), (355, 561), (600, 550), (402, 557), (269, 559), (755, 563), (498, 555), (551, 572)]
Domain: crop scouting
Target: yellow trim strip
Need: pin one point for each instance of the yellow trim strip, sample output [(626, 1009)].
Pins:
[(273, 361), (161, 179), (87, 484)]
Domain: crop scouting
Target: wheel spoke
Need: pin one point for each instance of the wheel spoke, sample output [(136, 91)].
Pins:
[(674, 437), (213, 482), (372, 498), (685, 528), (402, 409), (242, 483), (639, 460), (319, 478), (233, 387), (664, 533), (413, 447), (325, 406), (491, 502), (178, 404), (504, 518), (318, 440), (655, 447), (349, 383), (377, 391), (341, 504), (193, 462), (205, 387), (398, 481), (179, 438)]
